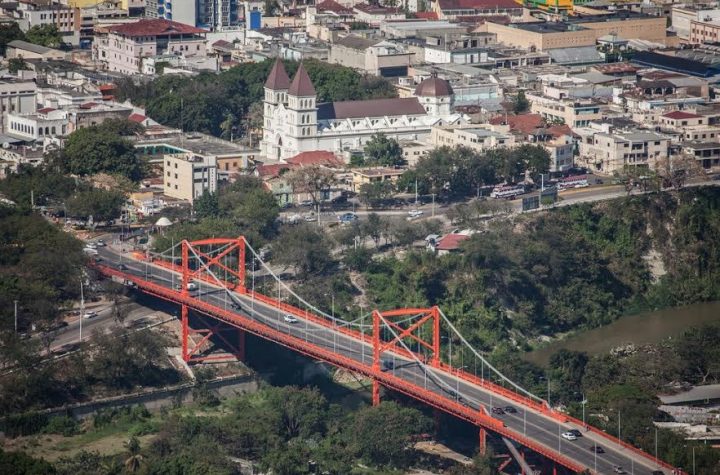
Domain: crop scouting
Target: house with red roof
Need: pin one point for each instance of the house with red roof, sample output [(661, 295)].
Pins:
[(121, 48), (449, 243), (681, 119)]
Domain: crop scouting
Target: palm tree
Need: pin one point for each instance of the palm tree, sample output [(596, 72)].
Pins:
[(135, 460)]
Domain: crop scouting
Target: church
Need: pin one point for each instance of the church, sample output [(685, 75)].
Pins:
[(293, 121)]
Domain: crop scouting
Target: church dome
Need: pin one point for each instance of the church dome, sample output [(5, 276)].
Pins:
[(433, 87)]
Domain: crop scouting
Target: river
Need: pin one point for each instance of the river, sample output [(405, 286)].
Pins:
[(649, 327)]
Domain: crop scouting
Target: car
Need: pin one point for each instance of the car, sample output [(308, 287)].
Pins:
[(235, 306), (657, 472), (290, 319), (90, 245), (90, 314), (310, 217), (123, 267), (191, 286), (414, 214), (388, 364), (90, 251), (510, 410), (100, 243), (618, 469), (498, 410), (575, 432), (347, 217), (306, 203), (597, 449), (568, 436)]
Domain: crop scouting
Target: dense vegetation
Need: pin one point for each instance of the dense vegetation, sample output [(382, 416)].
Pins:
[(571, 268), (460, 172), (44, 35), (627, 381), (280, 429), (230, 102), (106, 364), (40, 268)]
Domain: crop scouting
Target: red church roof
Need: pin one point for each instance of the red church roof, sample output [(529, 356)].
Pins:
[(316, 157), (278, 78), (681, 115), (301, 85)]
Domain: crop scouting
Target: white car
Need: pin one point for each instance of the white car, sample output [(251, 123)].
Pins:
[(568, 436), (290, 319), (90, 314), (414, 214), (91, 245), (90, 251), (310, 217)]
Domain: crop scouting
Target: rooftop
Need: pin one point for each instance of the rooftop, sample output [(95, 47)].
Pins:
[(370, 108), (681, 115), (451, 242), (373, 172), (478, 4), (30, 47), (197, 143), (316, 157), (155, 27), (698, 393)]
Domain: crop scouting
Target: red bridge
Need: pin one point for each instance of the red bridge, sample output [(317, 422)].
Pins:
[(397, 349)]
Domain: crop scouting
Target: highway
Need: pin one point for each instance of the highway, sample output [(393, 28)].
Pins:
[(538, 427)]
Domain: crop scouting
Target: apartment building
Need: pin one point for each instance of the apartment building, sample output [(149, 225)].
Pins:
[(476, 137), (46, 122), (17, 96), (608, 151), (376, 57), (363, 176), (65, 18), (187, 176), (573, 112), (121, 48)]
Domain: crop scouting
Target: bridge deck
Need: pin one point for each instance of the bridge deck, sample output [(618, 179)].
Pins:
[(449, 390)]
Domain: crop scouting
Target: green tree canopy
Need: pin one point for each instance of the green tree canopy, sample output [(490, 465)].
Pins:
[(381, 150), (9, 32), (102, 205), (44, 35), (100, 149)]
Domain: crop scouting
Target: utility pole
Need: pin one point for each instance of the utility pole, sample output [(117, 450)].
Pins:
[(16, 302), (82, 308), (433, 204)]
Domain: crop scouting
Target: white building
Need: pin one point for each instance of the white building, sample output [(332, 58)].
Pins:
[(46, 122), (16, 96), (187, 176), (294, 122)]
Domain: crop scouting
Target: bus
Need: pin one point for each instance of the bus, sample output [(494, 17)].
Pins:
[(507, 192), (578, 181)]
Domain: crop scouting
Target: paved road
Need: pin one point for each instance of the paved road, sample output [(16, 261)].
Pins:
[(137, 315)]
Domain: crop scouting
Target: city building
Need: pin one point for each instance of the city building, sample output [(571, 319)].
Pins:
[(121, 48), (573, 112), (452, 9), (187, 176), (365, 176), (376, 57), (25, 50), (46, 122), (476, 137), (293, 121), (605, 150), (65, 18), (17, 96)]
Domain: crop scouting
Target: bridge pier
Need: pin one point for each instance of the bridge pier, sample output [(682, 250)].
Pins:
[(375, 392), (185, 333), (483, 441), (240, 350)]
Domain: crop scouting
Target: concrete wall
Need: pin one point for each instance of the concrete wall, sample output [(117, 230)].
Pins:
[(156, 399)]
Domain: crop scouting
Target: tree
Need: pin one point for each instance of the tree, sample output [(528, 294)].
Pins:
[(207, 205), (381, 150), (44, 35), (252, 207), (95, 149), (534, 158), (134, 461), (375, 227), (303, 247), (313, 179), (102, 205), (375, 193), (9, 32), (382, 434), (520, 103), (17, 64)]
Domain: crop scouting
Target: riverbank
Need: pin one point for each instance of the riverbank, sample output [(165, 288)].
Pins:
[(643, 328)]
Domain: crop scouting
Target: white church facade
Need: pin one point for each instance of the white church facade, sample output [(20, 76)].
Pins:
[(294, 122)]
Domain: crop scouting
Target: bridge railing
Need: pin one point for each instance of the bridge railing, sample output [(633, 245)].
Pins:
[(471, 378)]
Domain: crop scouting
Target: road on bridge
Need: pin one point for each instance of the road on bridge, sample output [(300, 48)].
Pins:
[(527, 422)]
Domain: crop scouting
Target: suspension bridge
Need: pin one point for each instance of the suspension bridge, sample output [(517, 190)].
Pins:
[(399, 349)]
